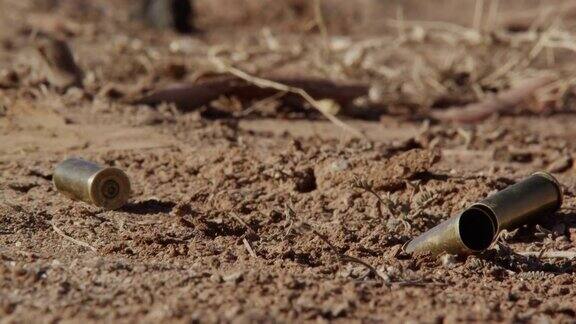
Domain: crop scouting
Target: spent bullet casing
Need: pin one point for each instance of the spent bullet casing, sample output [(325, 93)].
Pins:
[(105, 187), (475, 228), (537, 195)]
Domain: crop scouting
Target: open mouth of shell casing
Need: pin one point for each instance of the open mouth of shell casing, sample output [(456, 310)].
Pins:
[(477, 227)]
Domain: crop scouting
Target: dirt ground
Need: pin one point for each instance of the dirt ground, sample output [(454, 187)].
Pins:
[(250, 209)]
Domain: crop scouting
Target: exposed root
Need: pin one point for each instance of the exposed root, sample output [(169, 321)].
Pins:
[(505, 100)]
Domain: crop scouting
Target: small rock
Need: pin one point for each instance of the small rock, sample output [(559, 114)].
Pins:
[(8, 79), (328, 106), (337, 309), (305, 180), (506, 154), (22, 187), (448, 260), (353, 57), (339, 165), (216, 278), (234, 277), (232, 312), (473, 263)]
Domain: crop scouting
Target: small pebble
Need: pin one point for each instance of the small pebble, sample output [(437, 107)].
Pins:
[(234, 277), (561, 164), (448, 260)]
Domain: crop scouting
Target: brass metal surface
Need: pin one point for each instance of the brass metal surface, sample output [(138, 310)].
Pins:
[(475, 228), (472, 230), (86, 181)]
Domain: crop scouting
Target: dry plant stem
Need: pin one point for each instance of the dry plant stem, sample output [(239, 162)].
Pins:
[(345, 257), (362, 184), (502, 70), (492, 19), (249, 248), (478, 13), (187, 96), (265, 83), (262, 102), (401, 25), (321, 23), (375, 194), (502, 101), (71, 239), (550, 254)]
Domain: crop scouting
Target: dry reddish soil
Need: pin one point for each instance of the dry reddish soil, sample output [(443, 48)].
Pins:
[(250, 210)]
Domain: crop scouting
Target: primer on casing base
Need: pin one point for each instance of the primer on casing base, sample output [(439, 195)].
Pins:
[(86, 181)]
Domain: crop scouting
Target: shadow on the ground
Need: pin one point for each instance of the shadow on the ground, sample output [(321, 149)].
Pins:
[(150, 206)]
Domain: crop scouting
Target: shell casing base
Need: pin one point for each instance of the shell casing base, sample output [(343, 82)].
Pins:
[(86, 181)]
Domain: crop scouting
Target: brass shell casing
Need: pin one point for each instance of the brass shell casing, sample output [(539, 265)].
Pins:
[(475, 229), (86, 181), (470, 231), (521, 203)]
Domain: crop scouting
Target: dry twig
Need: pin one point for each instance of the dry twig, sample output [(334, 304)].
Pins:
[(71, 239), (190, 96), (249, 248), (319, 16), (266, 83)]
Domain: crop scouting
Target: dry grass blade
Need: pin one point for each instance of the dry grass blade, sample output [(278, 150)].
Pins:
[(478, 13), (261, 103), (319, 16), (249, 248), (366, 186), (265, 83), (71, 239)]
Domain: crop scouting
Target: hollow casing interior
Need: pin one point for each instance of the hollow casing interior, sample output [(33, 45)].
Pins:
[(477, 228)]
